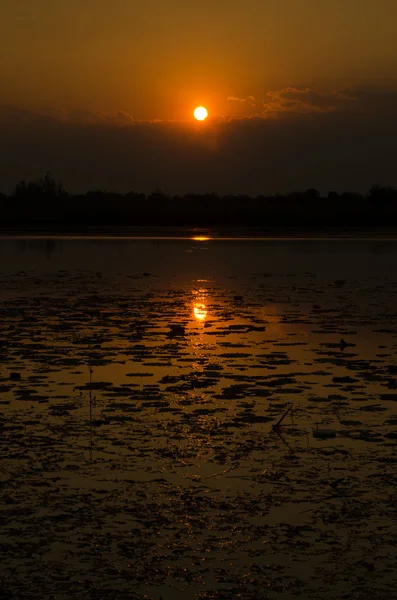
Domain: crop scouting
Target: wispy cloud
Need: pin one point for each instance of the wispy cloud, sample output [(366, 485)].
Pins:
[(288, 102), (307, 101), (26, 116)]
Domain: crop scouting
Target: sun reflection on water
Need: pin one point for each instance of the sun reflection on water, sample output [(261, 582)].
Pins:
[(200, 311), (200, 304)]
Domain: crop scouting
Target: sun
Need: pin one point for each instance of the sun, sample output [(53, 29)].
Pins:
[(200, 113)]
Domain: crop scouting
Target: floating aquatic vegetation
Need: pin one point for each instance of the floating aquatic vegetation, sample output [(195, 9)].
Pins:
[(213, 459)]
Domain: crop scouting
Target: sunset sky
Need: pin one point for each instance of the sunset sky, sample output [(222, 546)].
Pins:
[(100, 64)]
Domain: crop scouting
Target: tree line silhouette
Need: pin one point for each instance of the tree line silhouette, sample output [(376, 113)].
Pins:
[(45, 203)]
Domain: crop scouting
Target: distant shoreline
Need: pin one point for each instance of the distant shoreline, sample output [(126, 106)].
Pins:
[(45, 206), (212, 233)]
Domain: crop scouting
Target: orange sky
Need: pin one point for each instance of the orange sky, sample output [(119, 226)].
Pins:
[(102, 93), (160, 59)]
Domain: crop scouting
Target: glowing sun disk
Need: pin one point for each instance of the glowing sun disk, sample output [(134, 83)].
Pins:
[(200, 113)]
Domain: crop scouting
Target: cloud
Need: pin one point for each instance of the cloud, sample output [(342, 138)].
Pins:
[(292, 140), (302, 101), (288, 103), (53, 115)]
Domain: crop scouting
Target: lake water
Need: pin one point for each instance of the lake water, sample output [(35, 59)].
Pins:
[(195, 418)]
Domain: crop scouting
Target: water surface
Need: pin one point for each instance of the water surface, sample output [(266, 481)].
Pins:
[(141, 384)]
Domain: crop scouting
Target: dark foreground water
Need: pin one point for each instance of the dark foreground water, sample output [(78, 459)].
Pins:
[(141, 383)]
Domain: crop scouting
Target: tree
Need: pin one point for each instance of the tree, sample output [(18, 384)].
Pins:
[(312, 194), (382, 195), (44, 188)]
